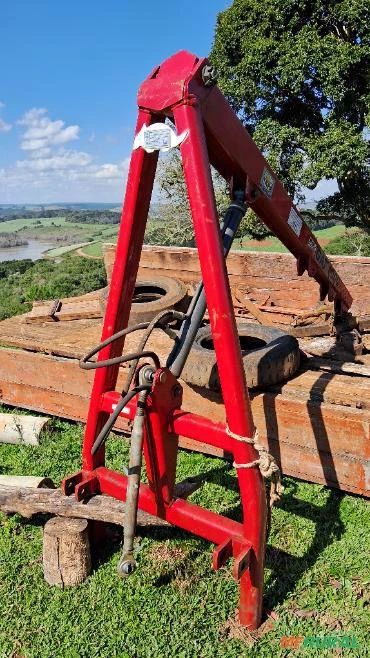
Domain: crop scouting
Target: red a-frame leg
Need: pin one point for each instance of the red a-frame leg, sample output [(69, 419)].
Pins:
[(226, 343)]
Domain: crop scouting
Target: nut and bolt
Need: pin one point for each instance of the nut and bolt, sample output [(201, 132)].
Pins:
[(209, 75)]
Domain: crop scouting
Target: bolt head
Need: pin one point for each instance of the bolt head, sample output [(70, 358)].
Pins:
[(209, 75), (176, 391)]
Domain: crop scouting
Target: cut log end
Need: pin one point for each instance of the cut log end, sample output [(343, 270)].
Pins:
[(66, 551)]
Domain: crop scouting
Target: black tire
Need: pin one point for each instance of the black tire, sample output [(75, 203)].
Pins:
[(270, 356), (151, 297)]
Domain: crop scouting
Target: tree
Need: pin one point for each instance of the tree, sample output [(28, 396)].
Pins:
[(173, 224), (297, 74)]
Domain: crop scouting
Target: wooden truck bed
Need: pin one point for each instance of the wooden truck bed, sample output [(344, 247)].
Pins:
[(316, 424)]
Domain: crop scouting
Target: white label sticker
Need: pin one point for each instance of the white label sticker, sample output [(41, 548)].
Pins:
[(156, 140), (158, 137), (267, 183), (295, 222)]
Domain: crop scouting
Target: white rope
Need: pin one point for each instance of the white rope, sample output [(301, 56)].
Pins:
[(265, 462)]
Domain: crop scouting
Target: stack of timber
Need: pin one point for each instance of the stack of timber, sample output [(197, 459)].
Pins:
[(316, 424), (270, 279)]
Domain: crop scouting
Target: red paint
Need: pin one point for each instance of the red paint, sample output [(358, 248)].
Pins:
[(175, 89)]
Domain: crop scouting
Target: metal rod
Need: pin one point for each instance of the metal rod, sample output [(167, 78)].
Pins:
[(190, 325), (127, 562)]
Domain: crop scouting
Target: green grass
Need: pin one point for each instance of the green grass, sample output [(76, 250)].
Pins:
[(272, 244), (18, 224), (174, 605), (94, 249), (62, 251)]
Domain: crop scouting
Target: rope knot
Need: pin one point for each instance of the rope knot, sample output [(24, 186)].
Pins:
[(265, 462)]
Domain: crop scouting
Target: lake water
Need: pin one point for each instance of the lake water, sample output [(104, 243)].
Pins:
[(33, 250)]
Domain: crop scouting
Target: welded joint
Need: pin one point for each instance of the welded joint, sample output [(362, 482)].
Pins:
[(223, 552)]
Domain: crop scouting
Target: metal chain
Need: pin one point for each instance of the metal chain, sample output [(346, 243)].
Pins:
[(265, 462)]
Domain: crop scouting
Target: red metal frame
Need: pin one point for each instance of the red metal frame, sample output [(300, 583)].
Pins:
[(176, 90)]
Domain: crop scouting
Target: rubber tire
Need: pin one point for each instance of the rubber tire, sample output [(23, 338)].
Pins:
[(274, 362), (174, 296)]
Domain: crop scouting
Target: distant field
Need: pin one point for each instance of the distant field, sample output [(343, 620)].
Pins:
[(73, 236), (324, 236), (18, 224), (272, 244), (69, 235)]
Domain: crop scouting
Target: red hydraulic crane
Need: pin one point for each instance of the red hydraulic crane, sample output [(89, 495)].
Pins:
[(183, 90)]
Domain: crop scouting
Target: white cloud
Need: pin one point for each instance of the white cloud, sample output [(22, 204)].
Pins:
[(108, 171), (4, 127), (41, 132), (60, 160), (42, 152), (2, 105), (49, 171)]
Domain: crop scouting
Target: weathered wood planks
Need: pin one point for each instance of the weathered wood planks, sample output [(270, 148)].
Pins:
[(317, 424), (259, 272)]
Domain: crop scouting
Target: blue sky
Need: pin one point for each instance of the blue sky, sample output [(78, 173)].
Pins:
[(68, 81)]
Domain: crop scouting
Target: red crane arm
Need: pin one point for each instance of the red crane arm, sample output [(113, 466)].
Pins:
[(232, 151)]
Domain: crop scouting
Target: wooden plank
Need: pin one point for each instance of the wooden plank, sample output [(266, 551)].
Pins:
[(305, 416), (261, 271), (75, 310), (338, 367)]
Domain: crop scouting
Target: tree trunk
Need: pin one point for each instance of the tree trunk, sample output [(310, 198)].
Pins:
[(66, 551)]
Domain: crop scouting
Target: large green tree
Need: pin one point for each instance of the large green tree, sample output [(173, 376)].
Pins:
[(297, 73)]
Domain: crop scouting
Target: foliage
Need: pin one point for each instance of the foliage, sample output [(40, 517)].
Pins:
[(317, 221), (252, 227), (352, 243), (20, 212), (11, 240), (93, 216), (9, 267), (22, 282), (347, 208), (297, 75), (173, 225), (174, 605)]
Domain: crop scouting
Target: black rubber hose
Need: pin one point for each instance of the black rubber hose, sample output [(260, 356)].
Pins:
[(113, 417)]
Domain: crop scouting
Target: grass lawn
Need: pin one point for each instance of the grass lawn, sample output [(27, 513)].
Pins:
[(271, 244), (62, 251), (324, 236), (174, 606), (93, 249)]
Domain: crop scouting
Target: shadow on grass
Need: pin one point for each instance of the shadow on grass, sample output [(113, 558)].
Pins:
[(288, 569)]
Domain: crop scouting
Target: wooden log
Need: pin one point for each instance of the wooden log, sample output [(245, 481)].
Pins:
[(27, 502), (18, 429), (26, 481), (66, 552)]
